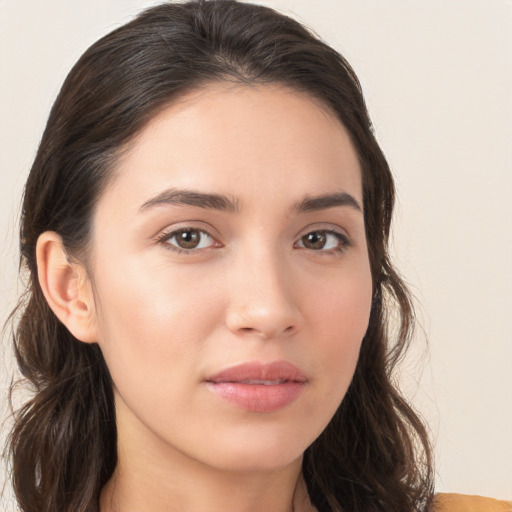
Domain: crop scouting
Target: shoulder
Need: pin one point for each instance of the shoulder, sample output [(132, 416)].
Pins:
[(450, 502)]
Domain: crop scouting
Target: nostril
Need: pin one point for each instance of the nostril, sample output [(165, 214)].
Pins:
[(269, 320), (267, 333)]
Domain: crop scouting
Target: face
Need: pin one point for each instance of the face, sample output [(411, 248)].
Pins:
[(231, 277)]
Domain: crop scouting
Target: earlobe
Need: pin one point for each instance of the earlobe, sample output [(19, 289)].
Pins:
[(66, 287)]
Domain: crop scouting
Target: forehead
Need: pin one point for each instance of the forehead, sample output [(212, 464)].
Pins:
[(241, 140)]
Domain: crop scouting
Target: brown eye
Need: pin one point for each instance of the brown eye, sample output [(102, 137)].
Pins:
[(323, 241), (189, 239), (315, 240)]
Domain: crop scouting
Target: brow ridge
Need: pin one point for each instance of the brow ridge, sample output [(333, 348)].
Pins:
[(322, 202), (221, 202), (186, 197)]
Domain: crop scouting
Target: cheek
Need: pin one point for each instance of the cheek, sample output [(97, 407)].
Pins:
[(153, 319), (341, 316)]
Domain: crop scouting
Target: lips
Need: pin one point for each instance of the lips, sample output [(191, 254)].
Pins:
[(259, 387)]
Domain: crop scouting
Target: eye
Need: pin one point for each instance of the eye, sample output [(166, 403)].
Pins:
[(323, 241), (188, 239)]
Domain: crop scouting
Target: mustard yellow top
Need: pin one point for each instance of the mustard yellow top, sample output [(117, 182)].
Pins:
[(448, 502)]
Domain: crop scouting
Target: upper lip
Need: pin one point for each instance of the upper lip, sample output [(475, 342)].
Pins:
[(257, 371)]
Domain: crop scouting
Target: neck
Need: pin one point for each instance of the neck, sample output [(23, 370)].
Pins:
[(131, 490), (150, 475), (237, 494)]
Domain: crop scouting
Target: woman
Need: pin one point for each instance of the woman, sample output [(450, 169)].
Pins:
[(205, 226)]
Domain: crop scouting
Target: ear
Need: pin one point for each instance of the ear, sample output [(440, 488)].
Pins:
[(66, 287)]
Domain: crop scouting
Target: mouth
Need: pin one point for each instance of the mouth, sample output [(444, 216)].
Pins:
[(261, 382), (259, 387)]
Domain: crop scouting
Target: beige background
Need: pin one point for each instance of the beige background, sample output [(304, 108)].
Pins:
[(438, 80)]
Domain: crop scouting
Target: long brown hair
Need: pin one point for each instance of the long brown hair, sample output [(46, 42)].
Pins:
[(374, 455)]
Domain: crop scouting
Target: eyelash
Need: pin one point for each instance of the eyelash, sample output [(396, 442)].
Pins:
[(343, 241), (169, 235)]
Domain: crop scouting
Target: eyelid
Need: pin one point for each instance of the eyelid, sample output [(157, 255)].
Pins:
[(164, 235), (333, 229), (168, 233), (326, 227)]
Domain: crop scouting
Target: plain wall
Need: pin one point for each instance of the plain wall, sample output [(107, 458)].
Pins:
[(437, 77)]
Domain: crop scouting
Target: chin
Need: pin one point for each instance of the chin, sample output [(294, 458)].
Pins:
[(249, 462), (260, 452)]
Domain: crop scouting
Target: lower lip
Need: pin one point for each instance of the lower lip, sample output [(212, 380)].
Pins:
[(258, 397)]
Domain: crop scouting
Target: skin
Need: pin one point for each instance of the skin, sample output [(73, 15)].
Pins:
[(254, 289)]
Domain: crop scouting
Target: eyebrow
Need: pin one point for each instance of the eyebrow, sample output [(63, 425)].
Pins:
[(183, 197), (322, 202), (192, 198)]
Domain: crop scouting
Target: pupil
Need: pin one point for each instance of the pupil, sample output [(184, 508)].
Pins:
[(314, 240), (188, 239)]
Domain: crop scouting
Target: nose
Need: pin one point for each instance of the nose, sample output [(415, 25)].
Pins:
[(263, 299)]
